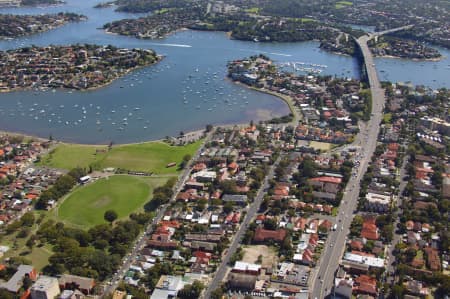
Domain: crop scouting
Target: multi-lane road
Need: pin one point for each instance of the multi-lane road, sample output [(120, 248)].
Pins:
[(323, 278)]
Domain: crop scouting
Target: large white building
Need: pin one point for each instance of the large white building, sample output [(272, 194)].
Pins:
[(378, 202), (45, 287)]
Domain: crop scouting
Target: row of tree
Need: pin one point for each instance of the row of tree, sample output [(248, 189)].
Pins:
[(61, 187)]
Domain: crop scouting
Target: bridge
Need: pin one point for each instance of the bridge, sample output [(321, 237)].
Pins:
[(322, 279)]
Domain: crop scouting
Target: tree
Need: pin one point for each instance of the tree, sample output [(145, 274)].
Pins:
[(228, 207), (191, 291), (270, 224), (201, 204), (28, 219), (5, 294), (110, 216), (217, 293), (27, 282), (185, 161)]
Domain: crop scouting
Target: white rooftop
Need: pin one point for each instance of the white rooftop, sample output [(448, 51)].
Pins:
[(367, 260)]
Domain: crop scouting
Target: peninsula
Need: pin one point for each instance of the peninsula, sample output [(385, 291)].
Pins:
[(74, 67), (12, 26), (402, 48), (7, 3)]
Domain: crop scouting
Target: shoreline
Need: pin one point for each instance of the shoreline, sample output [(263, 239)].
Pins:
[(285, 98), (93, 88), (82, 19), (442, 57)]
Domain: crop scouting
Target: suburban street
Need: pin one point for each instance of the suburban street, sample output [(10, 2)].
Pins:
[(397, 237), (222, 269), (323, 278), (142, 239)]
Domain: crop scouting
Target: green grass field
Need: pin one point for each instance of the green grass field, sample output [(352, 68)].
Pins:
[(148, 156), (387, 118), (323, 146), (86, 205), (342, 4), (254, 10)]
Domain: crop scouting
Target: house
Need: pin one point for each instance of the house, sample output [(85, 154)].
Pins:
[(377, 202), (330, 197), (370, 229), (416, 288), (325, 225), (246, 268), (362, 258), (45, 288), (356, 245), (235, 199), (167, 287), (14, 284), (69, 294), (203, 237), (262, 235), (343, 287), (433, 261), (162, 238), (409, 225), (204, 176), (365, 285), (200, 245), (84, 284)]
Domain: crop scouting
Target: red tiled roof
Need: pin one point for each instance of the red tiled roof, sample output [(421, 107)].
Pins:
[(369, 229), (327, 179), (366, 285), (356, 245), (264, 234), (233, 165)]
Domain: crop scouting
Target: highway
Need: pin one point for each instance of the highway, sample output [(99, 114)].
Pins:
[(323, 278), (254, 206), (142, 239)]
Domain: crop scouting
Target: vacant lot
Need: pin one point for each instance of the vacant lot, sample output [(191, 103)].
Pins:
[(148, 156), (252, 252), (323, 146), (86, 206)]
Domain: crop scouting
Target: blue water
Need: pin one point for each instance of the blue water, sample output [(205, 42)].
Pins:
[(185, 91)]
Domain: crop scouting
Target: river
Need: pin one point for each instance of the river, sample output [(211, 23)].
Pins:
[(185, 91)]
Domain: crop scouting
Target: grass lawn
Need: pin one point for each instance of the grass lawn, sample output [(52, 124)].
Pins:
[(334, 211), (39, 256), (387, 118), (254, 10), (323, 146), (148, 156), (86, 205), (342, 4), (68, 156), (306, 20)]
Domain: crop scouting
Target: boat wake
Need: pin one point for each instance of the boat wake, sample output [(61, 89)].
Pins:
[(172, 45), (264, 52), (281, 54)]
